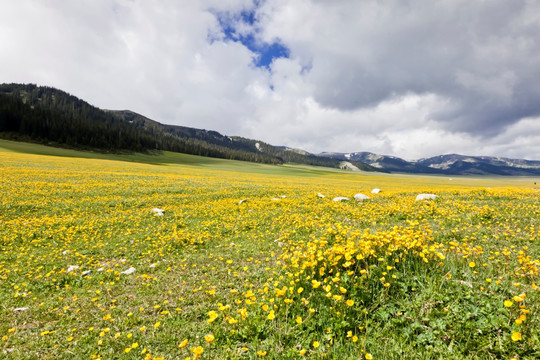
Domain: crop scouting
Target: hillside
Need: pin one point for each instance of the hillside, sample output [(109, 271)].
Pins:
[(451, 164), (457, 164), (54, 117)]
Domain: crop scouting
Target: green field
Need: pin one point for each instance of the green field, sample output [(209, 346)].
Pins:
[(284, 275)]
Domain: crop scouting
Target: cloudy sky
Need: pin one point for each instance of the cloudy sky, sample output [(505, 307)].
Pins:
[(406, 78)]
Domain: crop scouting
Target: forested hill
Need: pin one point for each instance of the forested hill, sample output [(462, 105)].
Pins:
[(51, 116)]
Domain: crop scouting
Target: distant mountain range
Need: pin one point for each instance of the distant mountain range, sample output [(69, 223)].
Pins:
[(451, 164), (54, 117)]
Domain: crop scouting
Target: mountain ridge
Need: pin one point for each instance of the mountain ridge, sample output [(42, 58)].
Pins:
[(52, 116), (448, 164)]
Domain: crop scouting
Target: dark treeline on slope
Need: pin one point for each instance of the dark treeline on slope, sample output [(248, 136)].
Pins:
[(48, 115), (51, 116), (80, 128), (236, 143)]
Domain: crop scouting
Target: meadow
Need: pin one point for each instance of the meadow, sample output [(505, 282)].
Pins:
[(88, 271)]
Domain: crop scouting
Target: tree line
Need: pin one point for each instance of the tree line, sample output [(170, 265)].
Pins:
[(48, 115), (51, 116)]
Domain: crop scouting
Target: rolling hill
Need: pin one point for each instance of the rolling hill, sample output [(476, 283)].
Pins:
[(50, 116), (54, 117)]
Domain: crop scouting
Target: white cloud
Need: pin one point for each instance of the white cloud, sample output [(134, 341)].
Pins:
[(411, 79), (481, 56)]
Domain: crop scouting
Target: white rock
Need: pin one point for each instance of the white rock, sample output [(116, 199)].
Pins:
[(20, 309), (281, 244), (86, 273), (157, 211), (360, 197), (274, 199), (242, 201), (131, 270), (282, 196), (320, 195), (72, 267), (425, 197), (341, 198), (375, 191)]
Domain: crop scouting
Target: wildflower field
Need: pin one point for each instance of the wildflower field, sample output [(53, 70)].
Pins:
[(88, 271)]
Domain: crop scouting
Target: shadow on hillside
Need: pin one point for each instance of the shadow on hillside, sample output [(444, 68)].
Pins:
[(152, 157), (166, 158)]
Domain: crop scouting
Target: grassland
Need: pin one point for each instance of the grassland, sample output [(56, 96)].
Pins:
[(289, 277)]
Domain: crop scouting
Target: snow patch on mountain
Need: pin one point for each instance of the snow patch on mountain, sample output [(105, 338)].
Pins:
[(443, 166), (374, 157)]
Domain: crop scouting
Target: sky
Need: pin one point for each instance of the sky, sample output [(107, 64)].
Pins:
[(407, 78)]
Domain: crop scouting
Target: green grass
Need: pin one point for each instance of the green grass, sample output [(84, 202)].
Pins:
[(60, 208), (170, 158)]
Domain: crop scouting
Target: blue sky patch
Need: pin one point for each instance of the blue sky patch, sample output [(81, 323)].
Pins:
[(266, 52)]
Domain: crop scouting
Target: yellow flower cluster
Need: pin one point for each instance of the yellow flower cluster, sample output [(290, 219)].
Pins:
[(86, 267)]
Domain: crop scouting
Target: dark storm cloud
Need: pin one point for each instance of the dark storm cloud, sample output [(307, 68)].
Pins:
[(481, 56)]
